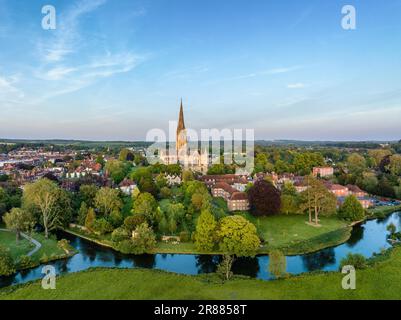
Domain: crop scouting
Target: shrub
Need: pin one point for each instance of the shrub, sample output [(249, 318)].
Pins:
[(391, 228), (126, 246), (120, 234), (102, 226), (185, 236), (25, 262), (357, 260), (64, 244), (7, 266)]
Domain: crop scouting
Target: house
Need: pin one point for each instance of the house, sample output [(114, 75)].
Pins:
[(338, 190), (356, 191), (236, 200), (323, 172), (239, 182), (127, 186)]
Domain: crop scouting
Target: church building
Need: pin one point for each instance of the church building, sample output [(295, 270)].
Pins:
[(189, 158)]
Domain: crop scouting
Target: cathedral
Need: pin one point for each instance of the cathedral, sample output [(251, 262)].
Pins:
[(190, 158)]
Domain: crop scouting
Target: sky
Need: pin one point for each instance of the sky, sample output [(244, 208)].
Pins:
[(113, 70)]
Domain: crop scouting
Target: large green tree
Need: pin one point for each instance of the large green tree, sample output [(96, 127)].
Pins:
[(316, 199), (108, 200), (19, 220), (43, 195), (237, 236), (351, 209), (205, 234), (145, 204)]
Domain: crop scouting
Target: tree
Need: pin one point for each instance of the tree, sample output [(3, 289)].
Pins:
[(82, 213), (264, 199), (108, 200), (90, 219), (205, 231), (7, 267), (237, 236), (395, 165), (378, 155), (317, 199), (87, 194), (277, 264), (356, 164), (144, 239), (102, 226), (131, 222), (117, 170), (289, 204), (126, 155), (43, 195), (351, 209), (145, 204), (224, 267), (165, 193), (304, 162), (187, 176), (19, 220)]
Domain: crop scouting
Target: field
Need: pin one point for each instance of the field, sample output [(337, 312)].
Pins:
[(381, 281)]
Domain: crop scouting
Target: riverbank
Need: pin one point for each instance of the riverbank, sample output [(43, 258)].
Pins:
[(288, 233), (49, 249), (380, 281)]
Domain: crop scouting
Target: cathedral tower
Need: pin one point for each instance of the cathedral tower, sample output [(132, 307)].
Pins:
[(181, 138)]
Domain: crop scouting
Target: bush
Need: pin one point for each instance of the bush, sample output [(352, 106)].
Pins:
[(25, 262), (185, 236), (102, 226), (7, 266), (351, 209), (357, 260), (120, 234), (64, 244), (126, 246), (134, 221)]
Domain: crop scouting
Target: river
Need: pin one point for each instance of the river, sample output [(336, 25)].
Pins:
[(367, 239)]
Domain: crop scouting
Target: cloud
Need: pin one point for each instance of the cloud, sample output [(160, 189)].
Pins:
[(267, 72), (8, 91), (298, 85), (66, 37)]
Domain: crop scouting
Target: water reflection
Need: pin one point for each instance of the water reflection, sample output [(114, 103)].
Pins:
[(366, 239), (319, 260)]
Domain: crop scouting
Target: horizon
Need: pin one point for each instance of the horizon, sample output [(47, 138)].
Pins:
[(113, 71)]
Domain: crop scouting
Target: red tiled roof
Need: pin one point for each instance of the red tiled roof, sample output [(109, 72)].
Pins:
[(239, 196), (225, 186)]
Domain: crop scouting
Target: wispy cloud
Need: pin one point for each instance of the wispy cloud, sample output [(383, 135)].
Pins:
[(298, 85), (267, 72), (8, 89), (66, 37)]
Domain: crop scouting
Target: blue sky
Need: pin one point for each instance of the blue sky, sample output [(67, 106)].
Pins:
[(112, 70)]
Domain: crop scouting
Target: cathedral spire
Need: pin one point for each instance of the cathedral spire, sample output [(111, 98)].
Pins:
[(181, 139), (181, 123)]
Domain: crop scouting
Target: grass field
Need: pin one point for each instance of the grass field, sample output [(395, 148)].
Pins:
[(49, 246), (292, 235), (381, 281)]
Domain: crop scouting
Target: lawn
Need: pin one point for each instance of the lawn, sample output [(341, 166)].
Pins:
[(49, 247), (382, 281), (293, 235)]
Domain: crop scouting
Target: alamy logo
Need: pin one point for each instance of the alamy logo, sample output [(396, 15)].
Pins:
[(349, 281), (49, 20), (49, 280), (348, 22)]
